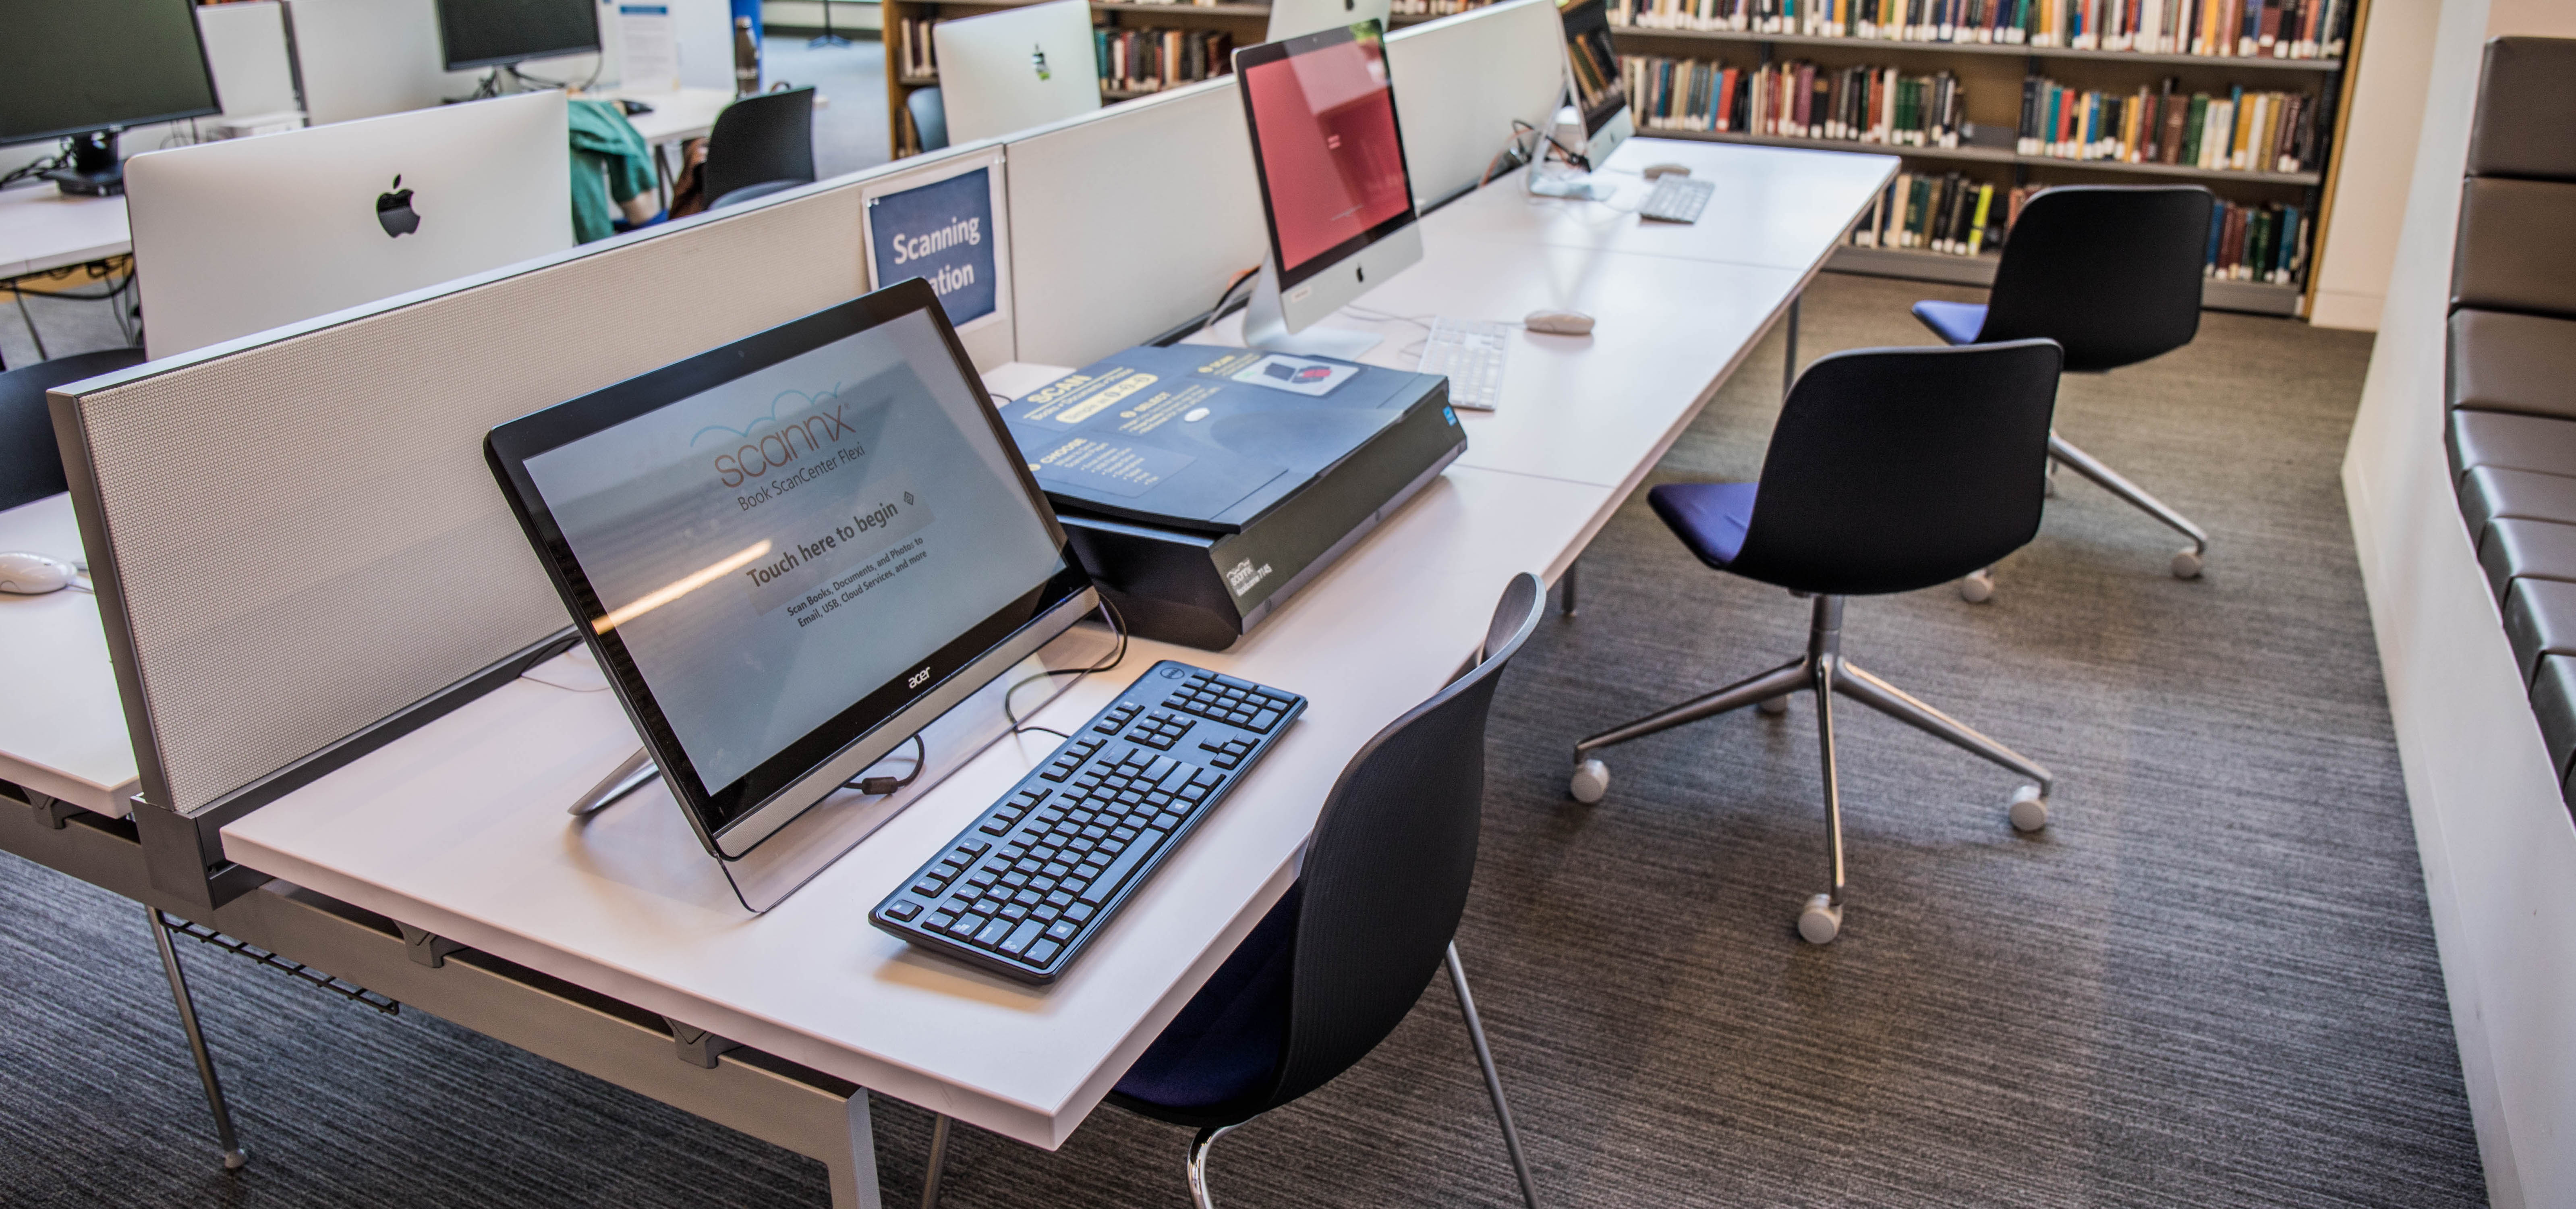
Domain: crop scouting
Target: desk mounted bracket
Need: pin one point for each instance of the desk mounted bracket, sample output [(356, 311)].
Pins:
[(52, 812), (426, 948), (698, 1047)]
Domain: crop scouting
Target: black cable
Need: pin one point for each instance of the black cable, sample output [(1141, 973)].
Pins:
[(34, 168), (1569, 153), (1222, 300), (881, 786), (1117, 623)]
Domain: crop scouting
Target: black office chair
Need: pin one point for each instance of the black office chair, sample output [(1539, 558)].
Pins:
[(1340, 960), (929, 112), (1890, 470), (2112, 273), (31, 467), (760, 145)]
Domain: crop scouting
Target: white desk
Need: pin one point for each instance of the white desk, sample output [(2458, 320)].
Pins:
[(458, 828), (43, 228), (630, 906), (65, 727), (677, 116)]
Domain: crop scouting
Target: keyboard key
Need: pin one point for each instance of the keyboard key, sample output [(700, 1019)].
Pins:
[(1020, 937), (1062, 930), (1167, 822), (929, 887), (966, 925), (1013, 911), (939, 921), (1120, 868), (1079, 912), (903, 909), (992, 932), (1264, 720), (1043, 952)]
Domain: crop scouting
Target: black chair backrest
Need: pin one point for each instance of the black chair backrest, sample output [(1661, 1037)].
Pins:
[(759, 140), (1893, 469), (2112, 273), (1387, 871), (929, 112), (31, 467)]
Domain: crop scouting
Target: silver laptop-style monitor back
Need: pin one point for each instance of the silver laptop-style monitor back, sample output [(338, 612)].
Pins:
[(244, 235)]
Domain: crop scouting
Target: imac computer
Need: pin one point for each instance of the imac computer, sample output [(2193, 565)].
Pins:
[(1330, 164), (1600, 99), (240, 236), (84, 70), (502, 34), (1007, 71), (1291, 18)]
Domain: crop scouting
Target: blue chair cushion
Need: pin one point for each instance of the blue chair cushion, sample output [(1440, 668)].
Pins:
[(1956, 322), (1710, 518), (1228, 1041)]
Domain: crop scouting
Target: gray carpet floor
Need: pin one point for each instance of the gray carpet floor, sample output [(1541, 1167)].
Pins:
[(2211, 982)]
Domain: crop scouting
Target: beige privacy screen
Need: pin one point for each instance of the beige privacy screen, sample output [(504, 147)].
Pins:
[(304, 531)]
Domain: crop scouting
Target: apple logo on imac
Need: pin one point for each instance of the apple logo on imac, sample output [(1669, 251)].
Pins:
[(394, 212)]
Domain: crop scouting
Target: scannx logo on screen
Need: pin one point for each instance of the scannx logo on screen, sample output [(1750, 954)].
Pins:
[(825, 424)]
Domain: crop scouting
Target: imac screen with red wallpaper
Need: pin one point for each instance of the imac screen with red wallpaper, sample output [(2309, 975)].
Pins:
[(1324, 139)]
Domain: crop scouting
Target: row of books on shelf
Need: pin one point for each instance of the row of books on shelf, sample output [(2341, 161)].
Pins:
[(1433, 8), (915, 56), (2278, 29), (1956, 215), (1798, 100), (2239, 131), (1148, 60)]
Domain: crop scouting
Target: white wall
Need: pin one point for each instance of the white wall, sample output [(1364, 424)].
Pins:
[(2497, 842), (2375, 163)]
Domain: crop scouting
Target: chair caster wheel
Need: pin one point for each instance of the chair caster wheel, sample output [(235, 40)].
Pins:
[(2048, 484), (2186, 563), (1977, 587), (1591, 782), (2029, 810), (1775, 706), (1821, 921), (235, 1160)]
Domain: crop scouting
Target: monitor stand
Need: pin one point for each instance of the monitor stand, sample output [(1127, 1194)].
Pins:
[(1265, 327), (1583, 187), (94, 170)]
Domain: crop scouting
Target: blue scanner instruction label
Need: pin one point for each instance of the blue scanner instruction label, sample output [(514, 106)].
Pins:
[(943, 232)]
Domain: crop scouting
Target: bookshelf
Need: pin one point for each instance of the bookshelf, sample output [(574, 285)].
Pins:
[(1991, 74), (1243, 23)]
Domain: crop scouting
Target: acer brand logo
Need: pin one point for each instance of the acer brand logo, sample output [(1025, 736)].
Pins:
[(918, 679)]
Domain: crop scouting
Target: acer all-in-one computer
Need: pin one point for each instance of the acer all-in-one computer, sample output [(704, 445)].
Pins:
[(86, 70), (1004, 72), (1334, 190), (244, 235)]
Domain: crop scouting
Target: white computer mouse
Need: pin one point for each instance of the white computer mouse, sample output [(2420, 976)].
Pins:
[(25, 574), (1655, 172), (1559, 323)]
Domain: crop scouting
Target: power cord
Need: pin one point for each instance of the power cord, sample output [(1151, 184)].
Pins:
[(881, 786), (1117, 623), (1226, 299)]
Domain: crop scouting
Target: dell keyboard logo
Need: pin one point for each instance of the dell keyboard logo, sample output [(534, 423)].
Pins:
[(918, 679), (1037, 57)]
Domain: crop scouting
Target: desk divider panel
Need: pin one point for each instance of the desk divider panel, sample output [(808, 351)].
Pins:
[(1460, 81), (295, 536)]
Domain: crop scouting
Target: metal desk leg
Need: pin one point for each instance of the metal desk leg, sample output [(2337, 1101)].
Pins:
[(1789, 377), (1569, 583), (854, 1173), (234, 1157)]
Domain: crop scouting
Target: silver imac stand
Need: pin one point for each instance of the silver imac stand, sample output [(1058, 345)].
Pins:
[(1265, 325)]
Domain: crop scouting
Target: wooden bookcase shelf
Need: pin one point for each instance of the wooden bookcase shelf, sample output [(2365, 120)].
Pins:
[(1989, 67)]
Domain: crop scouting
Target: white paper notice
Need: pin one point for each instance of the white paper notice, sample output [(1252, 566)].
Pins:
[(652, 45)]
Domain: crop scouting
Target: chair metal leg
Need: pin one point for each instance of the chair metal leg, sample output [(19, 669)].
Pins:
[(938, 1161), (1822, 919), (1894, 702), (1493, 1081), (1753, 690), (1572, 578), (1198, 1165), (2085, 464), (234, 1156)]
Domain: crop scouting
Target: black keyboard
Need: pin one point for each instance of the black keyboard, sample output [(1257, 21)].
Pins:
[(1028, 884)]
